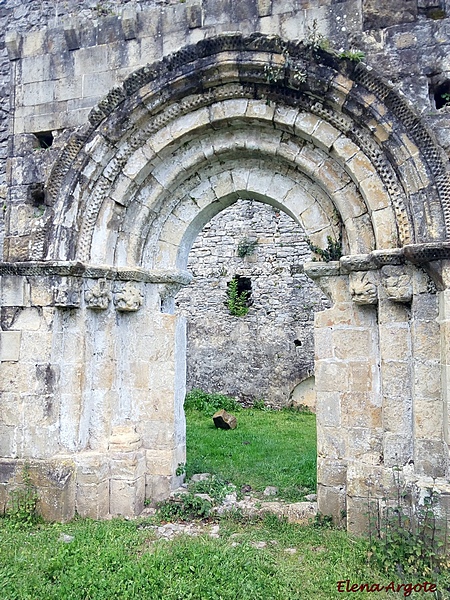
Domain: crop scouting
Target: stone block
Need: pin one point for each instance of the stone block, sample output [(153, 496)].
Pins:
[(397, 413), (331, 377), (13, 43), (36, 68), (328, 409), (159, 487), (362, 376), (92, 469), (38, 93), (331, 501), (428, 418), (331, 473), (365, 444), (395, 343), (398, 447), (160, 461), (427, 379), (360, 409), (8, 441), (223, 420), (358, 511), (331, 442), (92, 500), (55, 483), (27, 319), (14, 291), (431, 457), (194, 15), (305, 125), (128, 465), (127, 497), (395, 376), (350, 344), (264, 8), (10, 346), (325, 135), (425, 307)]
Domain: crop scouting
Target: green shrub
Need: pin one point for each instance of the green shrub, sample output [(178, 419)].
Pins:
[(215, 486), (237, 302), (405, 537), (333, 251), (21, 508), (210, 403), (246, 247), (185, 507)]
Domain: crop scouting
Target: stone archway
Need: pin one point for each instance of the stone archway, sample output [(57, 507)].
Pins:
[(323, 139)]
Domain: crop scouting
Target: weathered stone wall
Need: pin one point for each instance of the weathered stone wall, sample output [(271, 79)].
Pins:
[(266, 353)]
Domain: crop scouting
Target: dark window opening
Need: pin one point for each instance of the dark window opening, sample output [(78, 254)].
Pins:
[(45, 139), (297, 343), (244, 284), (36, 194), (440, 92)]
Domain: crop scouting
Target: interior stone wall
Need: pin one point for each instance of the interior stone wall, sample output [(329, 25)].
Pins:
[(269, 351)]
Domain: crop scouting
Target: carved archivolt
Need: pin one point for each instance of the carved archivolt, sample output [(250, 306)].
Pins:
[(353, 116)]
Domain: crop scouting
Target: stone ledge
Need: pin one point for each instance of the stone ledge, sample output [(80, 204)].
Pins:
[(78, 269)]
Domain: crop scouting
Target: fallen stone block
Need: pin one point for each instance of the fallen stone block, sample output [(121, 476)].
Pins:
[(223, 420)]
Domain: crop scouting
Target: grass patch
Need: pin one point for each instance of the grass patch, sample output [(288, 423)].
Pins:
[(118, 559), (276, 448)]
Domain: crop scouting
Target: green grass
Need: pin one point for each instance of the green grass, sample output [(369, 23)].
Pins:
[(123, 560), (116, 560), (276, 448)]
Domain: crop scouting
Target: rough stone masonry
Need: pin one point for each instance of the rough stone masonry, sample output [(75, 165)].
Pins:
[(130, 126)]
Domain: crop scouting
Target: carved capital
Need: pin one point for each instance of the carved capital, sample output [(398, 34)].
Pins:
[(97, 294), (67, 292), (397, 283), (363, 287), (127, 297)]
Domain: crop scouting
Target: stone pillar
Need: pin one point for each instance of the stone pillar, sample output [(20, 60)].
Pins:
[(394, 315), (92, 385), (347, 386)]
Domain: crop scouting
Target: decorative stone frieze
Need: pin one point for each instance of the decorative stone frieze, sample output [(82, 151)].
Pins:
[(397, 283), (97, 294), (363, 288), (127, 297)]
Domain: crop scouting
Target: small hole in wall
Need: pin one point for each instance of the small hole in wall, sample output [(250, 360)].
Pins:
[(440, 92), (45, 139), (36, 194), (244, 284), (297, 343)]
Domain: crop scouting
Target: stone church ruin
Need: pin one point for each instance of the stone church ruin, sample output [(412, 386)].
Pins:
[(129, 129)]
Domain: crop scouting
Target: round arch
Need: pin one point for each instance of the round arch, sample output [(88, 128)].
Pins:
[(325, 122)]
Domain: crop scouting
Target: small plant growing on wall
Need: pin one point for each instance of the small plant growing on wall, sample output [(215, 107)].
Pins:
[(353, 55), (237, 302), (22, 502), (246, 247), (333, 251)]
